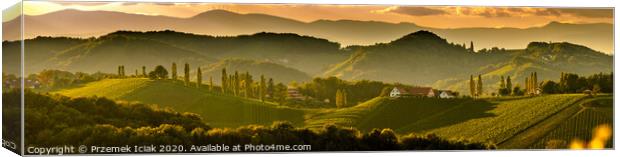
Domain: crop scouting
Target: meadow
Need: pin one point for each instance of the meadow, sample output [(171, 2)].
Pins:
[(218, 110)]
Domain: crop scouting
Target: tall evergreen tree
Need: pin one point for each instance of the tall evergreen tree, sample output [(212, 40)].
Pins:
[(261, 88), (535, 81), (186, 74), (210, 83), (509, 84), (174, 71), (231, 84), (527, 85), (224, 81), (339, 99), (121, 71), (479, 85), (136, 74), (237, 82), (344, 97), (144, 71), (270, 87), (198, 78), (502, 82), (472, 86), (471, 46)]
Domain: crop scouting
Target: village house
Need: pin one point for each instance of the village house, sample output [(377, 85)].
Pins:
[(421, 91), (293, 93), (415, 91), (15, 83), (445, 94)]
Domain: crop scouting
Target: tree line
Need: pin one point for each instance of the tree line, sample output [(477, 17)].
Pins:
[(53, 120), (341, 93), (568, 83), (573, 83), (237, 84)]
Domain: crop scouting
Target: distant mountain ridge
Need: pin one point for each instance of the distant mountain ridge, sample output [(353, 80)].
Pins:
[(598, 36)]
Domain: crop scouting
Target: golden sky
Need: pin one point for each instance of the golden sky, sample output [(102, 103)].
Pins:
[(431, 16)]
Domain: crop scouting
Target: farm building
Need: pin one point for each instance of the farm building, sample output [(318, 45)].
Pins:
[(293, 93), (445, 94), (415, 91)]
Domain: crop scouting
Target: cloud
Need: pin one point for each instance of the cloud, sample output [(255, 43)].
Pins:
[(526, 11), (591, 13), (412, 11), (76, 3)]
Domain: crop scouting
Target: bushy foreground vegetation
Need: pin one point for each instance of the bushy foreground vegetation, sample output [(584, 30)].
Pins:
[(53, 120)]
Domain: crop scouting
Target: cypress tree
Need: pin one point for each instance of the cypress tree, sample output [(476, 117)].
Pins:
[(237, 82), (509, 84), (344, 97), (471, 46), (144, 71), (535, 81), (174, 71), (527, 85), (472, 86), (248, 85), (479, 85), (261, 90), (136, 74), (270, 87), (224, 80), (502, 83), (199, 78), (338, 98), (186, 74), (210, 83)]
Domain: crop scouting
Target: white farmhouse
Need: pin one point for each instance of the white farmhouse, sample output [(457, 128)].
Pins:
[(446, 95)]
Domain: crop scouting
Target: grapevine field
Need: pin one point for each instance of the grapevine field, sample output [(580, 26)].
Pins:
[(594, 112)]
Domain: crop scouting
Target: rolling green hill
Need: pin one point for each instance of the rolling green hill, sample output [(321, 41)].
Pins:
[(107, 52), (306, 53), (548, 60), (494, 120), (217, 110), (39, 50)]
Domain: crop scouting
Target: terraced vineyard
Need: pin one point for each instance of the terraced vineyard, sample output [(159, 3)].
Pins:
[(480, 120), (217, 110), (594, 112)]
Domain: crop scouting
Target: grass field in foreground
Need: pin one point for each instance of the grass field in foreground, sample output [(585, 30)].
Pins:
[(217, 110)]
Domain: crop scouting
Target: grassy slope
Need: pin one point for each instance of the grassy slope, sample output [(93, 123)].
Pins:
[(217, 110), (480, 120)]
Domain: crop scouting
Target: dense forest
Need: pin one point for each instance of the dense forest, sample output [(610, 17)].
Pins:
[(61, 120)]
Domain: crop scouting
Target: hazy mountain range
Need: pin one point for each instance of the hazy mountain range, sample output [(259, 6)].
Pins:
[(75, 23), (419, 58)]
